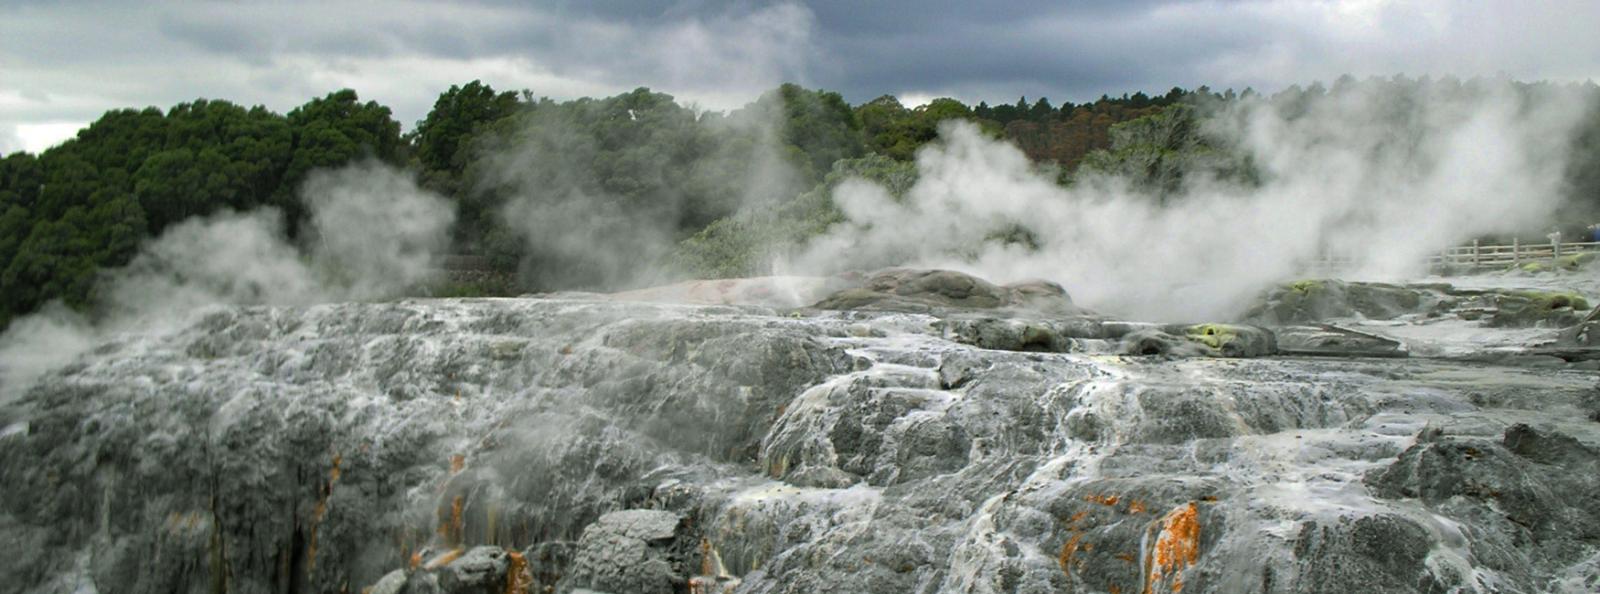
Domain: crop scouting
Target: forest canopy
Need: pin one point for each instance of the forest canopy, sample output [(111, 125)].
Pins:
[(536, 182)]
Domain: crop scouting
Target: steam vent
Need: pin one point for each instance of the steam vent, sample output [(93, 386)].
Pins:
[(902, 431)]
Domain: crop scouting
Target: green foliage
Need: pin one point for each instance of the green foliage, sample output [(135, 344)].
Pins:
[(818, 127), (892, 130), (458, 113), (747, 243), (88, 203), (329, 132), (546, 185), (563, 187), (1158, 154)]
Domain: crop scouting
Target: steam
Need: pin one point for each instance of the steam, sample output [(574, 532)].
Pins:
[(580, 232), (1377, 172), (373, 233)]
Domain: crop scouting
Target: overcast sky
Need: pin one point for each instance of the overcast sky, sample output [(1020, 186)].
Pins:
[(62, 64)]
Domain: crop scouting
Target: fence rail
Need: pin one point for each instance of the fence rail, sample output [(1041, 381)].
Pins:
[(1515, 254)]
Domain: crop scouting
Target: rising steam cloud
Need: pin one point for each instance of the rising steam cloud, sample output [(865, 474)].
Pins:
[(598, 219), (372, 234), (1375, 172)]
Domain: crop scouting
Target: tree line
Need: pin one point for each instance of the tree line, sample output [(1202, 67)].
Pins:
[(538, 183)]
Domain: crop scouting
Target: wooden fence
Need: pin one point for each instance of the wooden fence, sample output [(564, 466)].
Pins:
[(1475, 256), (1506, 256)]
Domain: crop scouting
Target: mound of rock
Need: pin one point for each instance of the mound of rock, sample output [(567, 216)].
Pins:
[(633, 551), (1521, 309), (1333, 341), (924, 291), (480, 570), (1538, 489), (1308, 301), (1064, 335), (1201, 340)]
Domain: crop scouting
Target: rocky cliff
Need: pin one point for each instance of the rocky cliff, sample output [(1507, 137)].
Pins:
[(914, 441)]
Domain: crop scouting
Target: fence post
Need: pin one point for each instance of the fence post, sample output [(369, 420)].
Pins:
[(1477, 258), (1516, 252), (1555, 248)]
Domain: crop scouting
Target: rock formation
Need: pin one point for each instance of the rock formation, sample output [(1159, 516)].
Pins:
[(940, 434)]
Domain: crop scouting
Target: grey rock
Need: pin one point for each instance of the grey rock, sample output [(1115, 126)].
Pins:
[(633, 550), (1520, 309), (1311, 301), (629, 447), (391, 583), (481, 570), (911, 290), (1332, 341)]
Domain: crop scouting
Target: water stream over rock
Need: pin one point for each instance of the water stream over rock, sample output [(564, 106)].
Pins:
[(575, 443)]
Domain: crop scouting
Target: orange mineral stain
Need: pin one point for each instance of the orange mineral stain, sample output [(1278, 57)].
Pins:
[(321, 511), (450, 524), (707, 563), (1177, 547), (1106, 500), (457, 463), (1068, 551), (455, 519), (517, 577)]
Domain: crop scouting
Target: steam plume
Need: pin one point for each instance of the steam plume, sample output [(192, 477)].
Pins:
[(374, 233), (1381, 172)]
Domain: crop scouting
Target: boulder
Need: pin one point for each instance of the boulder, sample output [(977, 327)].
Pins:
[(1536, 490), (479, 570), (633, 551)]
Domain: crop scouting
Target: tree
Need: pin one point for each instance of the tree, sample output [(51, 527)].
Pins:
[(819, 125), (1160, 152), (89, 202), (746, 243), (331, 131), (896, 132), (455, 116), (1041, 110)]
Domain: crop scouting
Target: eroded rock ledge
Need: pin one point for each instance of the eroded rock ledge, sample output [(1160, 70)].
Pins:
[(579, 444)]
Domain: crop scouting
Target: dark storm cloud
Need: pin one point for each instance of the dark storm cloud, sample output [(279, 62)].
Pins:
[(69, 62)]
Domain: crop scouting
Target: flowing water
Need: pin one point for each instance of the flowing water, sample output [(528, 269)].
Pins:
[(318, 449)]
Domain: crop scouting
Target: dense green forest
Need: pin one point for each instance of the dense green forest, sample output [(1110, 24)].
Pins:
[(538, 182)]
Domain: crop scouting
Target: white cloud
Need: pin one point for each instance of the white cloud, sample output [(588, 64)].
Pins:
[(9, 142), (401, 55), (37, 137), (723, 54)]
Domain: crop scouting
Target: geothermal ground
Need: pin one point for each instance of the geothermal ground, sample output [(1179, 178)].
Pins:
[(900, 432)]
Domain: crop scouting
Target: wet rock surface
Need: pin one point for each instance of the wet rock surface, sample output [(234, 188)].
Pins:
[(1310, 302), (924, 291), (636, 550), (572, 445)]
